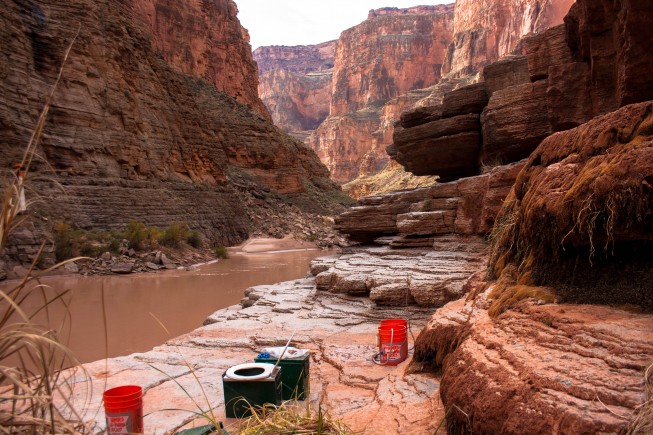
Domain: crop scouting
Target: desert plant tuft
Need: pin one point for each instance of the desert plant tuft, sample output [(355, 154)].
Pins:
[(221, 252), (289, 418), (194, 239)]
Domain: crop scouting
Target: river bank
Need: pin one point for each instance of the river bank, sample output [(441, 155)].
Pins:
[(339, 330)]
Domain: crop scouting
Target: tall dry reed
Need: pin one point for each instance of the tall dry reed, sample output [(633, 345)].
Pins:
[(35, 388)]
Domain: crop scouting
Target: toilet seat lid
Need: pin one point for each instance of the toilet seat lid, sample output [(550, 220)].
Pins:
[(266, 367)]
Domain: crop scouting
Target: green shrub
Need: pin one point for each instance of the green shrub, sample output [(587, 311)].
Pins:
[(194, 239), (221, 252), (63, 241), (173, 235), (140, 236), (136, 234)]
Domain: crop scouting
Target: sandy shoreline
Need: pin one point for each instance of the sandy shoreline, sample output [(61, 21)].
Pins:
[(269, 244)]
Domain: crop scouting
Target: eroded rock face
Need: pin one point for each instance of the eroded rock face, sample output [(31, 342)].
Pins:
[(204, 39), (130, 136), (295, 84), (487, 30), (568, 365), (585, 199), (388, 55), (614, 38), (338, 330), (567, 77)]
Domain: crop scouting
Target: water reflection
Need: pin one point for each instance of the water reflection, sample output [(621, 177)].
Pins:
[(180, 300)]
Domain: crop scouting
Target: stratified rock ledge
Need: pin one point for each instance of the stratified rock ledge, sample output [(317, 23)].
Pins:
[(549, 368)]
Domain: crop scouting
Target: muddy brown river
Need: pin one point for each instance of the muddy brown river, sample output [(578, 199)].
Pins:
[(181, 300)]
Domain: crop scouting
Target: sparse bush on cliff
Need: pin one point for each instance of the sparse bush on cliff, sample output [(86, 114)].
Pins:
[(140, 236), (174, 235), (194, 239)]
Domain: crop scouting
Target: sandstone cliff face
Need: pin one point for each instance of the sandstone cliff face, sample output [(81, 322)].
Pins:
[(388, 55), (487, 30), (392, 53), (295, 84), (204, 39), (131, 137)]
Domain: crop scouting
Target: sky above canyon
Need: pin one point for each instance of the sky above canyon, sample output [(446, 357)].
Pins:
[(302, 22)]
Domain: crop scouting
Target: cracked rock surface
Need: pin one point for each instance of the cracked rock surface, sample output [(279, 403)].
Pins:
[(339, 330)]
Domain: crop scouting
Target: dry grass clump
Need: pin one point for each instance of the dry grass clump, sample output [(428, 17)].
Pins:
[(289, 418), (34, 392), (642, 423), (390, 179)]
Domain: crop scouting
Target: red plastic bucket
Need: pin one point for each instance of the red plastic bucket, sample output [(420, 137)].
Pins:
[(393, 341), (123, 407)]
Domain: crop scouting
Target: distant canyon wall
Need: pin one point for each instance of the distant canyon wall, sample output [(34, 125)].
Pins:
[(295, 84), (391, 53), (487, 30)]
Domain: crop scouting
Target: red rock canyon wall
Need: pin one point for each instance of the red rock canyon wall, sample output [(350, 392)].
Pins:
[(130, 135)]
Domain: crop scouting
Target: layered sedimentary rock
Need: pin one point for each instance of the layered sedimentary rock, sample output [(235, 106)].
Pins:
[(449, 145), (487, 30), (506, 375), (132, 137), (202, 39), (614, 39), (301, 59), (410, 276), (469, 205), (388, 55), (393, 52), (428, 242), (295, 84)]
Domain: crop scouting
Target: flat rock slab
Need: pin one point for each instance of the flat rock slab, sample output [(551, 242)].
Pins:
[(397, 277), (339, 330)]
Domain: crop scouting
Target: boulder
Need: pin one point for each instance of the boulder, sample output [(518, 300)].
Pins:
[(106, 256), (71, 267), (122, 268), (547, 368), (462, 101), (506, 72), (514, 122), (545, 50)]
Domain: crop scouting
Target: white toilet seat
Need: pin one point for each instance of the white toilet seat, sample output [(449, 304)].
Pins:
[(267, 370)]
